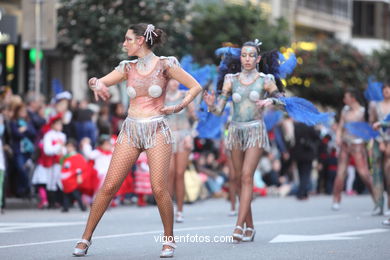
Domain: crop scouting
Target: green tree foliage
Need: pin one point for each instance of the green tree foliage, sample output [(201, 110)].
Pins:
[(328, 71), (96, 28), (214, 24), (382, 61)]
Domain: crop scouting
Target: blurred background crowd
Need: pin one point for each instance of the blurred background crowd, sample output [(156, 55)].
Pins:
[(338, 44)]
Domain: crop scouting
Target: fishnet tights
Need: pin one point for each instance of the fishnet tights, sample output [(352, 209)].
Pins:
[(123, 159)]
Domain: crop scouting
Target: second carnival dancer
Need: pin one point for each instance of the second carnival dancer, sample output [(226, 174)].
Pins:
[(180, 125), (145, 128), (379, 113), (247, 135), (350, 145)]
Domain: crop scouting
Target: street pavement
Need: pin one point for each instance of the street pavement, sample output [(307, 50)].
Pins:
[(286, 229)]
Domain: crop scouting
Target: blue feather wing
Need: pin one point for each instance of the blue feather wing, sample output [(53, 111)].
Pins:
[(286, 67), (228, 51), (361, 129), (387, 118), (202, 74), (374, 90), (272, 118), (304, 111)]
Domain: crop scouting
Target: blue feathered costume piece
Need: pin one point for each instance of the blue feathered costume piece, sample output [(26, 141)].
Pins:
[(273, 62), (374, 90), (364, 130), (286, 67), (209, 125), (202, 74), (304, 111), (361, 129), (272, 118), (230, 64)]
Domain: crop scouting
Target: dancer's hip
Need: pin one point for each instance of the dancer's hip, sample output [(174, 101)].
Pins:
[(142, 132)]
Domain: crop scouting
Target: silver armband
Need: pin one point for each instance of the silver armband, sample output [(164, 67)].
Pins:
[(96, 86)]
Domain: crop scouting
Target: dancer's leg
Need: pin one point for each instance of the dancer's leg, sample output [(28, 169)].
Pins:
[(341, 169), (387, 172), (360, 155), (123, 158), (351, 175), (181, 166), (158, 160), (233, 180), (377, 175), (172, 174), (250, 162), (2, 175), (237, 160)]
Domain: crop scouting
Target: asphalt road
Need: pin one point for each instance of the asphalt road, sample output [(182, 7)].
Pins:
[(286, 229)]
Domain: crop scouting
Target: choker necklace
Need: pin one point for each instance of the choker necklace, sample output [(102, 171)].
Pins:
[(145, 63), (248, 76)]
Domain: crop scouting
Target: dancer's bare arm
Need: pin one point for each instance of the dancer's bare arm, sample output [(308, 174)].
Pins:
[(176, 72), (100, 86), (218, 108)]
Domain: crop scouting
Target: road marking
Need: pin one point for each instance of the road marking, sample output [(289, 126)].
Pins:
[(10, 227), (326, 237), (268, 222)]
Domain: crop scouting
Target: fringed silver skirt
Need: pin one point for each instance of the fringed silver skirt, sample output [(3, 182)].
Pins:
[(244, 135), (141, 132)]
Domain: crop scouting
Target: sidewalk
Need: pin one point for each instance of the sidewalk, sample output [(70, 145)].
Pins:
[(19, 203)]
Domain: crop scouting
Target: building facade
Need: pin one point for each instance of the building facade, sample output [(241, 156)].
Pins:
[(70, 72)]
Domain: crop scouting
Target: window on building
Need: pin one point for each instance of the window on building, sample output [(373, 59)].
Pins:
[(332, 7), (363, 19)]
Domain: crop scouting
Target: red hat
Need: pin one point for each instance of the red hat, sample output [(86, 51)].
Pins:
[(54, 119)]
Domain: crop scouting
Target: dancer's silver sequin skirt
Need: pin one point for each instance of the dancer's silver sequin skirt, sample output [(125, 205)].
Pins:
[(244, 135), (142, 132)]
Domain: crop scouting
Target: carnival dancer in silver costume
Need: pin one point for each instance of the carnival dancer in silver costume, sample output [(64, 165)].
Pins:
[(181, 127), (247, 136), (379, 118), (350, 145), (145, 128)]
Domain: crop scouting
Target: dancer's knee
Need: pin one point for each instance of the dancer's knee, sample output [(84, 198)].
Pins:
[(246, 179), (109, 189), (160, 192)]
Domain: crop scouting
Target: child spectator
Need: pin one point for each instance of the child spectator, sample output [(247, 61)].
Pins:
[(73, 166), (47, 175), (142, 179), (101, 155)]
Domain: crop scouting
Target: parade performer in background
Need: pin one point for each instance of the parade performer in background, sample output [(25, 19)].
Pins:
[(253, 82), (180, 124), (379, 117), (247, 136), (350, 145)]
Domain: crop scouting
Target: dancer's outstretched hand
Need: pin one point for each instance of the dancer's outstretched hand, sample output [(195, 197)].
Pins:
[(209, 98), (262, 103), (376, 125), (99, 89)]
